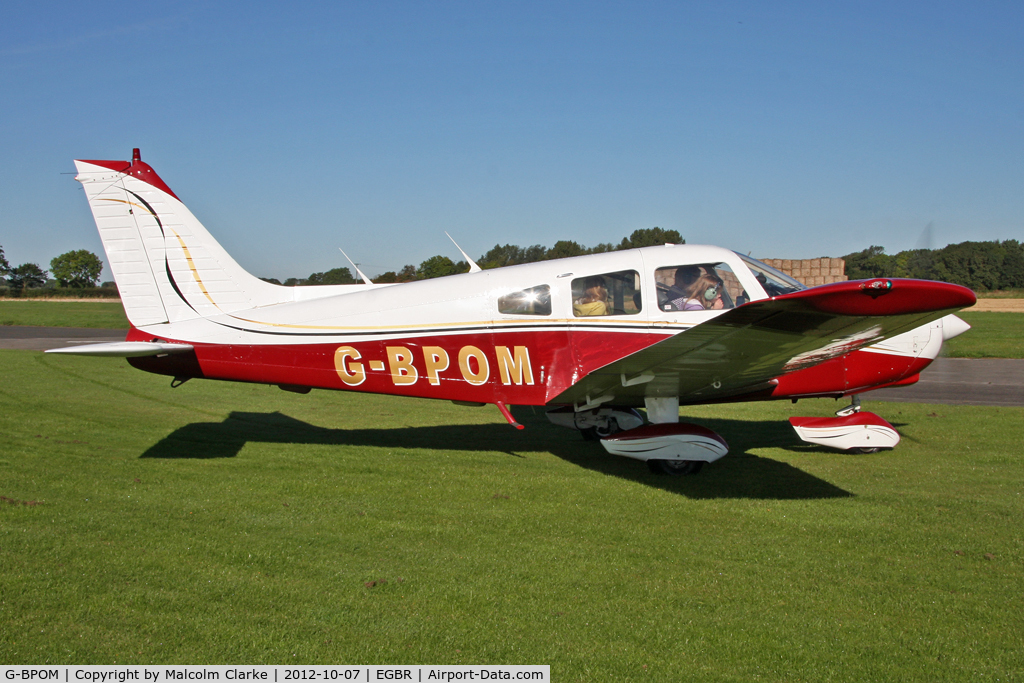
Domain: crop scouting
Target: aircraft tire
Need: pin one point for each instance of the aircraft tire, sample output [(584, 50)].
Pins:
[(597, 433), (676, 468)]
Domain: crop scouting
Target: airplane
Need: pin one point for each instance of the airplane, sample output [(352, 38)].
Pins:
[(591, 338)]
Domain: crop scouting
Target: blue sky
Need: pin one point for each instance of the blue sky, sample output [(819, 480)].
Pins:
[(788, 130)]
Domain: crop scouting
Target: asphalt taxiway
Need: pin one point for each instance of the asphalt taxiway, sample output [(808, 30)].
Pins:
[(42, 338)]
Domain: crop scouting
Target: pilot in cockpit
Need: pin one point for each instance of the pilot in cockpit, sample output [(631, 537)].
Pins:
[(698, 289), (685, 278)]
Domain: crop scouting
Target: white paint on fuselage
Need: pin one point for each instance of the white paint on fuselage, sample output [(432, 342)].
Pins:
[(462, 303)]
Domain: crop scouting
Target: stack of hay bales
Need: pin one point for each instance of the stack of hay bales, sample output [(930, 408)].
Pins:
[(811, 272)]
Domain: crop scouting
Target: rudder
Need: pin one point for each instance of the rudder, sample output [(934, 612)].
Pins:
[(168, 268)]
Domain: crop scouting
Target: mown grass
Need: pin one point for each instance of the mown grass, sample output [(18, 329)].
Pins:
[(95, 314), (220, 523), (992, 335)]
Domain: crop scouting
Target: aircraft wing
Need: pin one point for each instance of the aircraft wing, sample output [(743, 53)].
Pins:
[(741, 351)]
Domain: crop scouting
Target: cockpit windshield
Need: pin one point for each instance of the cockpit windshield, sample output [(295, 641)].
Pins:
[(774, 282)]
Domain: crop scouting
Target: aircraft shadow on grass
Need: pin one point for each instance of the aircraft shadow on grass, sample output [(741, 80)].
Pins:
[(741, 474)]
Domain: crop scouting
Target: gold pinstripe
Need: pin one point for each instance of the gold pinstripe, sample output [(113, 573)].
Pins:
[(195, 272)]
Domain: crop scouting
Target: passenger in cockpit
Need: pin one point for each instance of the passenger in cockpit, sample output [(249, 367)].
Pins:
[(594, 300)]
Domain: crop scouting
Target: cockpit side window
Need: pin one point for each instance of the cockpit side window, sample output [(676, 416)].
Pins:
[(615, 293), (698, 287), (532, 301)]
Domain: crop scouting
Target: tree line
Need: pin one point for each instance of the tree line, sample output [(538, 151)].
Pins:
[(498, 256), (982, 266), (78, 269)]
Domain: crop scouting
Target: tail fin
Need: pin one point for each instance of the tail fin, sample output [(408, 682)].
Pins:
[(168, 268)]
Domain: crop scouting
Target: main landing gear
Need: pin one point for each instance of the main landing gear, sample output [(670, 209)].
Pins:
[(676, 468), (667, 445), (852, 429), (598, 423)]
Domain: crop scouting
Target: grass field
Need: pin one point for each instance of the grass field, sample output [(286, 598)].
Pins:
[(992, 335), (225, 523), (96, 314)]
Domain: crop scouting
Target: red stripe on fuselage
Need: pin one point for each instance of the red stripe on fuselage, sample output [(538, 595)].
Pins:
[(519, 368)]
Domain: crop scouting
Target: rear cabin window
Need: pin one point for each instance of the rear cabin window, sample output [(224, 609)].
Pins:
[(615, 293), (532, 301), (698, 287)]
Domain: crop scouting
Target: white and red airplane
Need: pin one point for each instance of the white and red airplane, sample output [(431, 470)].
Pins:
[(590, 337)]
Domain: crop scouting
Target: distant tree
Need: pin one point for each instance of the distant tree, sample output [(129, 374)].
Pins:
[(79, 268), (26, 276), (565, 249), (973, 264), (913, 263), (872, 262), (978, 265), (651, 237), (407, 274), (437, 266), (5, 267), (534, 253), (292, 282), (335, 276), (271, 280), (1013, 266), (500, 256)]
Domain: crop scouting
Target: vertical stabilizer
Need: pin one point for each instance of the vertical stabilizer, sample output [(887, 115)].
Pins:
[(168, 268)]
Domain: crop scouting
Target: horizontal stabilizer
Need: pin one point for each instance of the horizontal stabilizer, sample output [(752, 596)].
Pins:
[(125, 349)]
